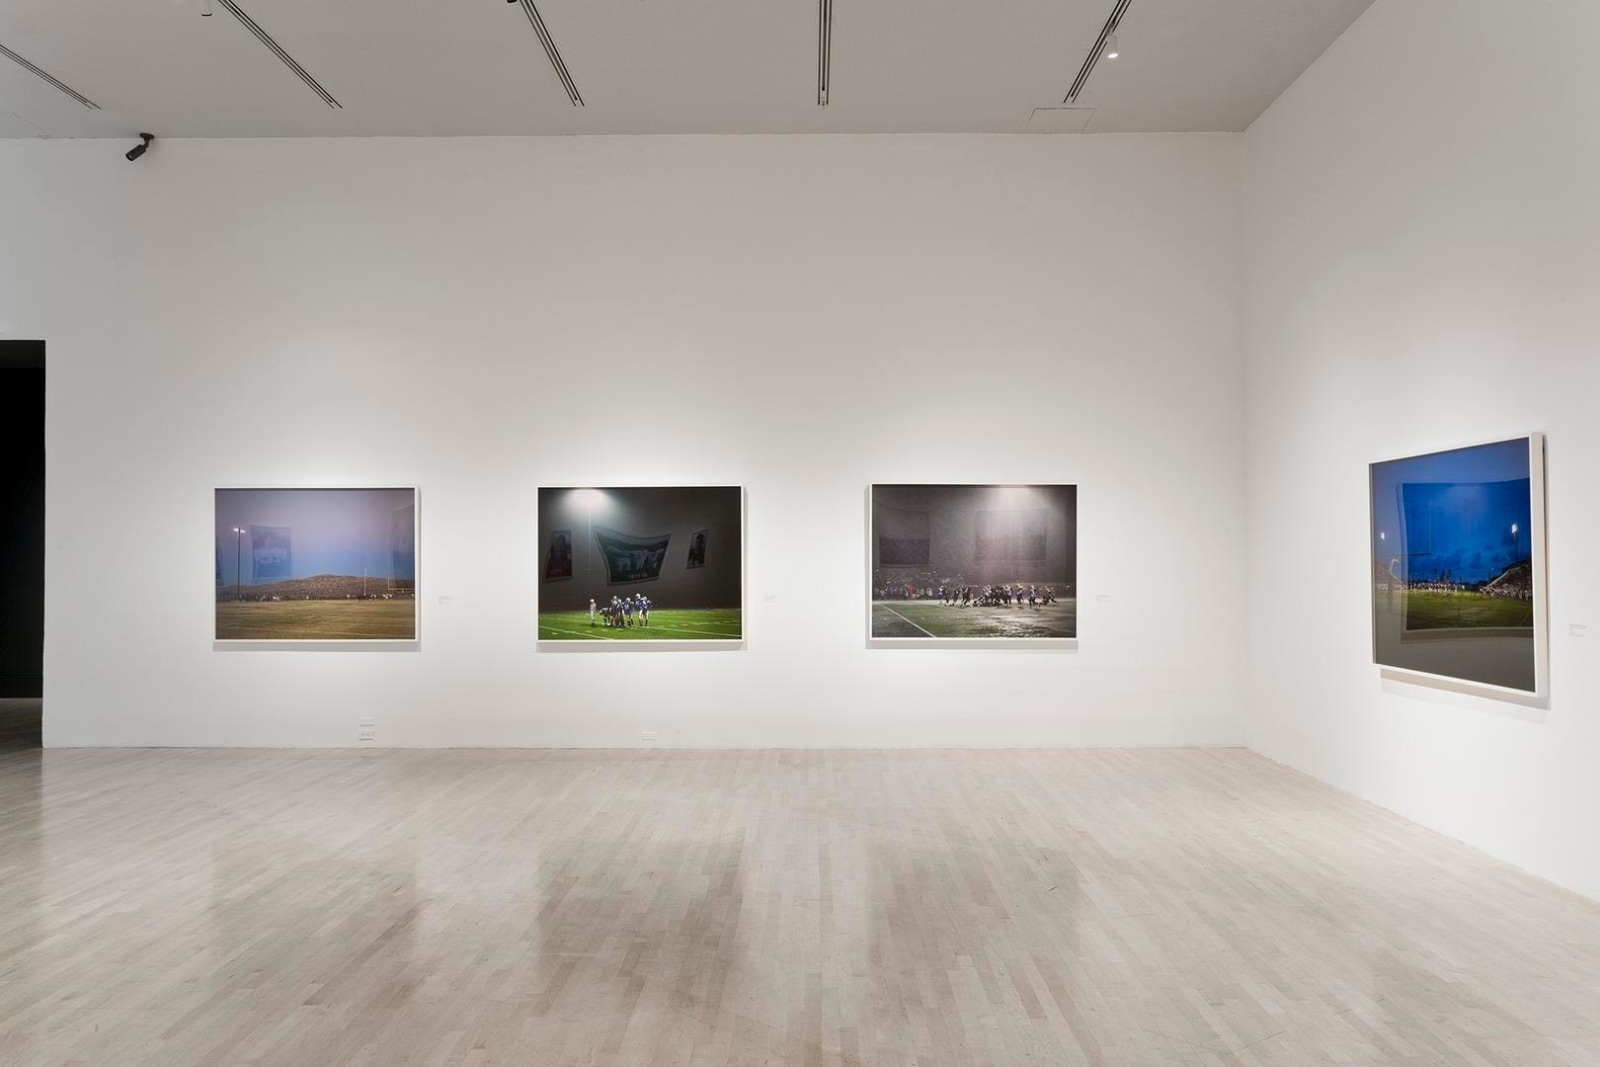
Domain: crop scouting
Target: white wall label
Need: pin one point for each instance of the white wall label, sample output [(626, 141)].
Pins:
[(1578, 629), (1103, 598), (446, 601), (770, 598)]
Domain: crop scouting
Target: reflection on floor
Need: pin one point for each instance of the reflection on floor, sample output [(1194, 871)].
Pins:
[(455, 908), (21, 723)]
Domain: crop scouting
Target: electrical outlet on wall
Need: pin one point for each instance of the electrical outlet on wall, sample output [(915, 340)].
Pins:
[(366, 731)]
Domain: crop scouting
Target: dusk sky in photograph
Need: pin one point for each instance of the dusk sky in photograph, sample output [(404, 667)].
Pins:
[(1453, 513), (333, 531)]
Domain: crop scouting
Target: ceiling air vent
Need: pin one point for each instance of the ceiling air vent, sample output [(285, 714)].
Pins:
[(55, 82), (536, 20), (1107, 33), (277, 49), (1060, 119)]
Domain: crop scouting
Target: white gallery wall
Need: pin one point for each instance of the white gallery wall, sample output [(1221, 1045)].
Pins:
[(1423, 254), (802, 316)]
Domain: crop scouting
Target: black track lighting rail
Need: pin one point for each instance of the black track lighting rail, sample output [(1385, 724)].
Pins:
[(276, 49), (536, 20), (47, 76), (824, 49), (1093, 58)]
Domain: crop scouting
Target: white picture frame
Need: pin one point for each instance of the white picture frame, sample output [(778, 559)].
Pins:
[(931, 640), (590, 643), (1539, 694), (368, 644)]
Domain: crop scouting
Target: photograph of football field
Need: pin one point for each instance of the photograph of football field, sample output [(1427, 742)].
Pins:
[(632, 564), (924, 619), (693, 624), (974, 563), (316, 565), (1454, 576), (1465, 610)]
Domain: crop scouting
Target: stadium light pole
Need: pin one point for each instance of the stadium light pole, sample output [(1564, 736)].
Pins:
[(238, 563), (1516, 543)]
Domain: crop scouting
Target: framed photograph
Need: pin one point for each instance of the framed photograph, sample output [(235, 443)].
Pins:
[(316, 565), (1458, 569), (980, 565), (637, 567)]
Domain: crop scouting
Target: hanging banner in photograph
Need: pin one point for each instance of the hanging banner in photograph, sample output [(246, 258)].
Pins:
[(403, 543), (269, 554), (558, 556), (697, 548), (629, 558)]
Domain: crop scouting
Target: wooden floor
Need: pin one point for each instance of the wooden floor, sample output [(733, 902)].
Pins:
[(534, 908)]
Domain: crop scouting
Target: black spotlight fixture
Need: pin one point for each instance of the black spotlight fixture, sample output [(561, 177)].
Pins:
[(140, 149)]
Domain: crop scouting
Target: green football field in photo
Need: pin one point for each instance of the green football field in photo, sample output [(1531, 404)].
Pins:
[(1427, 610), (317, 620), (929, 618), (694, 624)]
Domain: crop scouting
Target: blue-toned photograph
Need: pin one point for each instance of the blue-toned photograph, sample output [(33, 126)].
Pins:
[(316, 564), (1453, 550)]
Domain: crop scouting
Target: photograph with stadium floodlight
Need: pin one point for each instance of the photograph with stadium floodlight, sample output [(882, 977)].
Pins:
[(316, 564), (1457, 563), (974, 563), (622, 565)]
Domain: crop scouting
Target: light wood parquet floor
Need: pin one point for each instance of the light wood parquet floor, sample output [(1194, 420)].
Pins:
[(452, 908)]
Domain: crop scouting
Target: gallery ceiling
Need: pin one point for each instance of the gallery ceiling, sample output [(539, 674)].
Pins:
[(481, 67)]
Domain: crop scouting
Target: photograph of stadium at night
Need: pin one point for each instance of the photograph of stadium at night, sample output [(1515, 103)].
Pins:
[(1458, 564), (974, 562), (659, 563), (316, 564)]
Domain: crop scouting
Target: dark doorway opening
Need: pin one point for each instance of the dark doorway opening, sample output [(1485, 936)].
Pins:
[(21, 544)]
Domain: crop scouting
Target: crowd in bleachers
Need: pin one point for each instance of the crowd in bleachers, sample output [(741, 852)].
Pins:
[(1515, 584), (957, 591), (923, 585)]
